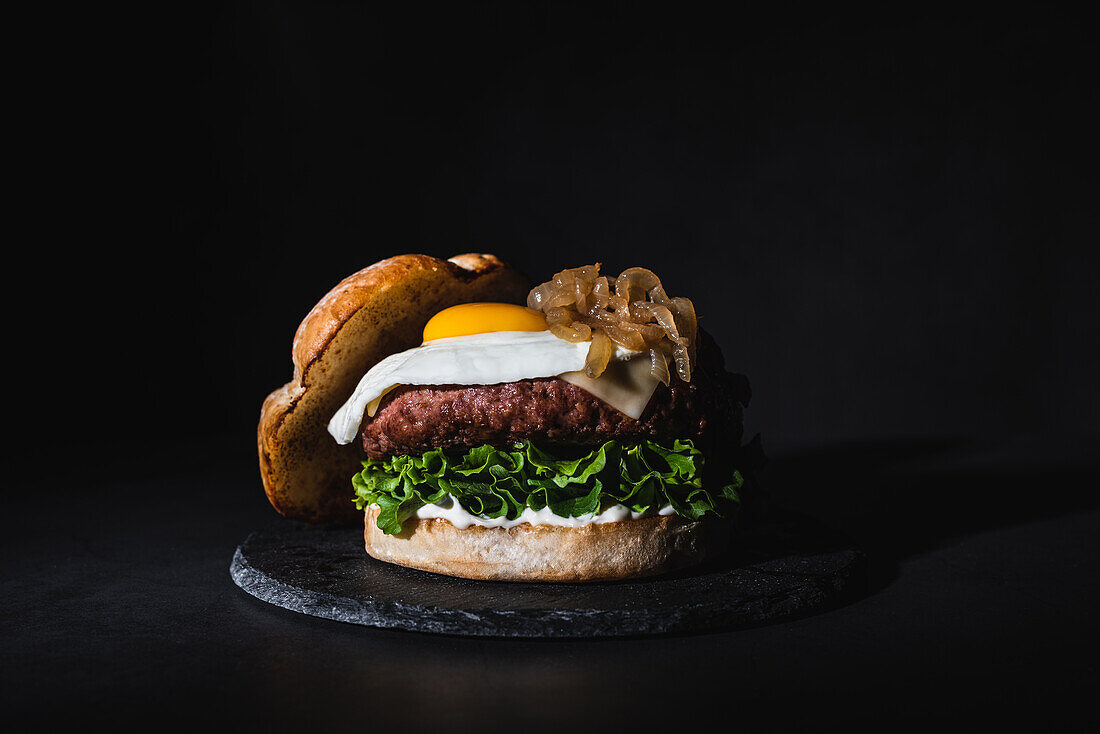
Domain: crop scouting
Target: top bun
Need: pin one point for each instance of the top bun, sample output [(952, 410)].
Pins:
[(380, 310)]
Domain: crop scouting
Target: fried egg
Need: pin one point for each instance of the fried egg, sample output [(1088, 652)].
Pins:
[(488, 344)]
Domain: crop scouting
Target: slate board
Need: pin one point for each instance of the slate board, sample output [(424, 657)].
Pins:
[(788, 567)]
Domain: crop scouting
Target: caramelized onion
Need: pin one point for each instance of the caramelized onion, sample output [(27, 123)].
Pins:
[(618, 306), (632, 312), (633, 282), (536, 297), (599, 354), (662, 316), (683, 362), (657, 295), (626, 338), (560, 299), (688, 322), (659, 365), (557, 316), (575, 332)]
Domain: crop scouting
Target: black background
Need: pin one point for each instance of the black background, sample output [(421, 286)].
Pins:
[(889, 224)]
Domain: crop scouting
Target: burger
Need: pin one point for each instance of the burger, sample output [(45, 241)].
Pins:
[(585, 429)]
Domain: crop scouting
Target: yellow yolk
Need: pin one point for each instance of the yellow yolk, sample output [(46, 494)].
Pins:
[(482, 318)]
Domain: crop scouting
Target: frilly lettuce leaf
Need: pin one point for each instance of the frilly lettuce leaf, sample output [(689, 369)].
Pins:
[(496, 482)]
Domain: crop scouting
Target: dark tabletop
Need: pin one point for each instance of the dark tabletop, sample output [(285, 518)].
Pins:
[(981, 599), (889, 224)]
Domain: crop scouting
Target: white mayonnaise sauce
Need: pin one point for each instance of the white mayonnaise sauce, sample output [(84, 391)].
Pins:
[(453, 512)]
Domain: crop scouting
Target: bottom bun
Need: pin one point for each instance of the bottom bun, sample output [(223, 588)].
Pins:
[(597, 552)]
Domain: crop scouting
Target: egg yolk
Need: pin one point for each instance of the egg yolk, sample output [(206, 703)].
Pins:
[(481, 318)]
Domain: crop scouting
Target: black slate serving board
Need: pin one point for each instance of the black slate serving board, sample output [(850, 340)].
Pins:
[(788, 567)]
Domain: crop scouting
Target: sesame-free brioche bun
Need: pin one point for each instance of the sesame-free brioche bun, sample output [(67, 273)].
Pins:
[(368, 316), (598, 552), (382, 310)]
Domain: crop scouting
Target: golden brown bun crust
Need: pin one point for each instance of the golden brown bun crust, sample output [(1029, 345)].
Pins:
[(599, 552), (376, 312)]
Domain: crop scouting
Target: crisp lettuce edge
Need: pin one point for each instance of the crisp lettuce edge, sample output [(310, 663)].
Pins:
[(502, 482)]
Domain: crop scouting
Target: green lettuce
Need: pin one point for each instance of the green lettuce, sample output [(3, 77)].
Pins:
[(496, 482)]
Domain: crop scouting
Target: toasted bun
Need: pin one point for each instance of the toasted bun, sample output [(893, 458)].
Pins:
[(599, 552), (376, 312)]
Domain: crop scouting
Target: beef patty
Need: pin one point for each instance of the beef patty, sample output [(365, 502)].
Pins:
[(549, 411)]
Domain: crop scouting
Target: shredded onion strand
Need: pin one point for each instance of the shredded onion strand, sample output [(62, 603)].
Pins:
[(632, 312)]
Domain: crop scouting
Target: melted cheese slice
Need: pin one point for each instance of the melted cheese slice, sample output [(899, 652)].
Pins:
[(626, 386), (493, 358)]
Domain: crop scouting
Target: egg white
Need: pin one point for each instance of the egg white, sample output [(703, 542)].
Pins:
[(478, 359)]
